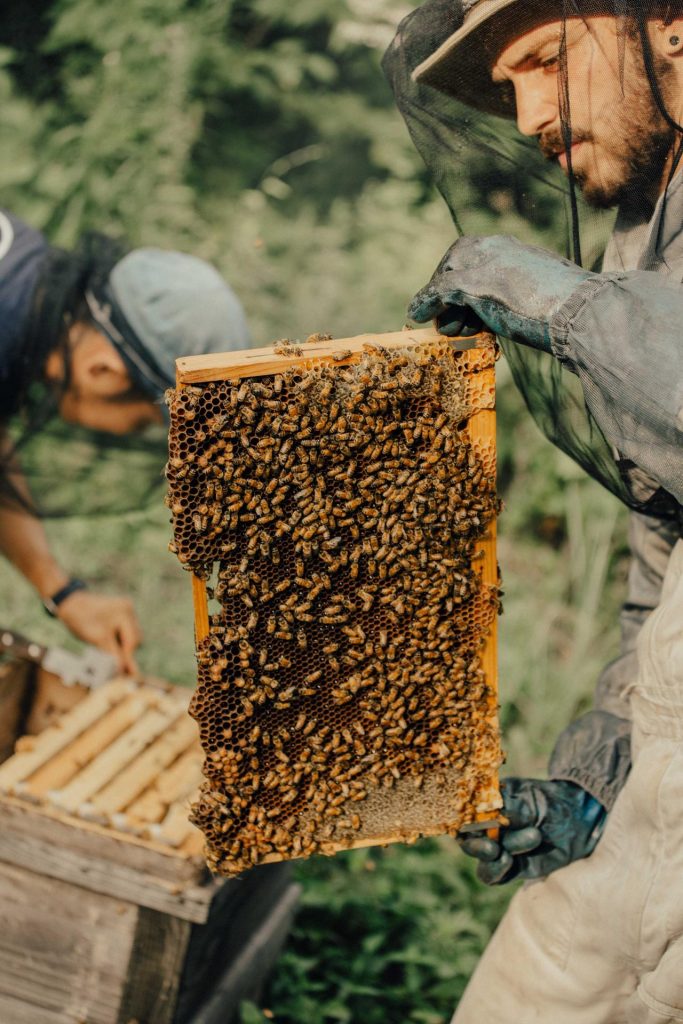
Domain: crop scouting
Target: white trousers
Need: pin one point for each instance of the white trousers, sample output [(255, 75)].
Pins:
[(601, 941)]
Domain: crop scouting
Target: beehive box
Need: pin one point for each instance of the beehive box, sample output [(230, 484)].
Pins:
[(108, 912), (336, 504)]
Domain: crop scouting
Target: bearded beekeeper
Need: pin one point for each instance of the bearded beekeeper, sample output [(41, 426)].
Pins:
[(571, 110)]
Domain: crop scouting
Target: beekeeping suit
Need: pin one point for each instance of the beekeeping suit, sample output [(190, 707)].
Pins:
[(598, 940)]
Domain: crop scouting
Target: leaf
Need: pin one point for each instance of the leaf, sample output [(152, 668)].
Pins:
[(250, 1014)]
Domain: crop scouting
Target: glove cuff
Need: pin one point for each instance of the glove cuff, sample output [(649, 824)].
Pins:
[(595, 753), (561, 322)]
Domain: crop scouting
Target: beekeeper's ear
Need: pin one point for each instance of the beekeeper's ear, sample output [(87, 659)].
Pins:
[(667, 37)]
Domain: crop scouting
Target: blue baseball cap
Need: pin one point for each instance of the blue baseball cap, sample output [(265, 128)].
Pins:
[(159, 305)]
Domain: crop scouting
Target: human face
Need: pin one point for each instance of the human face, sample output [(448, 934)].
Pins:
[(98, 392), (619, 140)]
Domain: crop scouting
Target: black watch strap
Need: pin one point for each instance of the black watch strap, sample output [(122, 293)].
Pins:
[(52, 603)]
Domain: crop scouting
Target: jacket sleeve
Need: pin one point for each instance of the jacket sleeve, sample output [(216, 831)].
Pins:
[(621, 334)]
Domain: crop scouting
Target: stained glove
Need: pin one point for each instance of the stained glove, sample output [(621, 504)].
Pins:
[(512, 289), (551, 824)]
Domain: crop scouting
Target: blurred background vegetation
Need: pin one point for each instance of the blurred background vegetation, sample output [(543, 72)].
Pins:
[(260, 134)]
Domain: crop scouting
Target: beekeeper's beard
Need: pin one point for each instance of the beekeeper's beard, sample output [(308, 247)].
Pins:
[(620, 153)]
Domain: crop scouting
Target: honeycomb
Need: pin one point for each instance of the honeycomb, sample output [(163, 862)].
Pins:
[(336, 513)]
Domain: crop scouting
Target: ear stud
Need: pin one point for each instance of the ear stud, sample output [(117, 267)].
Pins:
[(674, 40)]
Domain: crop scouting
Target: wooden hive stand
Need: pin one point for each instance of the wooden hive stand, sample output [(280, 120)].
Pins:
[(108, 912)]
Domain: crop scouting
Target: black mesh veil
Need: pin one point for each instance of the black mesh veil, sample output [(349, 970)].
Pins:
[(583, 166)]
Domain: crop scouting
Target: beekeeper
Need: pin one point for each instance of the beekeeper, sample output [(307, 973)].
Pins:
[(92, 335), (579, 104)]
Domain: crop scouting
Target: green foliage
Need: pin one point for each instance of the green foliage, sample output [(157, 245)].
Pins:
[(383, 937), (155, 117)]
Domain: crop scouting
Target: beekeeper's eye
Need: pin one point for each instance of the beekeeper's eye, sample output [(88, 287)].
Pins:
[(551, 62)]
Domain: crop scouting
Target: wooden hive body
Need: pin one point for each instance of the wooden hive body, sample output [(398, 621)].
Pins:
[(109, 914), (348, 687)]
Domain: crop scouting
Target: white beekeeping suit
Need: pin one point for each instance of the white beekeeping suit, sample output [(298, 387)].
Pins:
[(558, 103)]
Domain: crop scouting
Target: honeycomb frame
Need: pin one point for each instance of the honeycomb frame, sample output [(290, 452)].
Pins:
[(407, 802)]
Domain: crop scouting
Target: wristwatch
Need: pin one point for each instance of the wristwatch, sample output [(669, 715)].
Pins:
[(52, 603)]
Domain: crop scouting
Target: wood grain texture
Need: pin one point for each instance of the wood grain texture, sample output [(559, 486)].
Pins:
[(60, 769), (130, 782), (16, 1011), (23, 824), (183, 777), (259, 362), (115, 758), (97, 931), (181, 898), (151, 989), (63, 950), (176, 828)]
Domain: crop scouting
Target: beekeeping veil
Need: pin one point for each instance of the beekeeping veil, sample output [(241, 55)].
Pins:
[(614, 89)]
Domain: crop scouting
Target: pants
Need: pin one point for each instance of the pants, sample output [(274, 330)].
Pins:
[(601, 941)]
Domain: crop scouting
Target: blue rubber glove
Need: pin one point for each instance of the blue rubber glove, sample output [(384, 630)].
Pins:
[(512, 289), (551, 824)]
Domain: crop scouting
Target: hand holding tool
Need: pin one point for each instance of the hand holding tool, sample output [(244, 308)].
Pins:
[(92, 667)]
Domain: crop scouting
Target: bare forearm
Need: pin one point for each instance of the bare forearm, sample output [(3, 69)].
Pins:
[(107, 621), (23, 540), (24, 543)]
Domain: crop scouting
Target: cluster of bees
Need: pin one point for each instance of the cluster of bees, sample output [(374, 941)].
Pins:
[(335, 513)]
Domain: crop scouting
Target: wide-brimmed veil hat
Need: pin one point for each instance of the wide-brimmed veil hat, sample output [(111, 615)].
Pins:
[(461, 65)]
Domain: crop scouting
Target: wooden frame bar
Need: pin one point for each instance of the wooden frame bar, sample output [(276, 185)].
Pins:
[(260, 362)]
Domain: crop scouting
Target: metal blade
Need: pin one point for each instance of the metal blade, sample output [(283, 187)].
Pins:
[(92, 668)]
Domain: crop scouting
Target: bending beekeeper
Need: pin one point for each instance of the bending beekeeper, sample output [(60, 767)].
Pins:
[(578, 106), (92, 336)]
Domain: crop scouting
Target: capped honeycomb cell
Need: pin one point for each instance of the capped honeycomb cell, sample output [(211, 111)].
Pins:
[(336, 504)]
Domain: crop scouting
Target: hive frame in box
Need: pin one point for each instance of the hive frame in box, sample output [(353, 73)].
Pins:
[(481, 428), (103, 923)]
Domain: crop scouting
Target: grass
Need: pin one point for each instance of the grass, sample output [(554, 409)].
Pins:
[(382, 937)]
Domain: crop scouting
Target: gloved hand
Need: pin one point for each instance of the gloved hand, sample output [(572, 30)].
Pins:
[(551, 824), (511, 288)]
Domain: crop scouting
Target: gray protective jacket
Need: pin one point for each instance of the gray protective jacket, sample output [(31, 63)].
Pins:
[(623, 336)]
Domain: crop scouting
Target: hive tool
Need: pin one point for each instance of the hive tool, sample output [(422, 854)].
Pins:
[(91, 668)]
